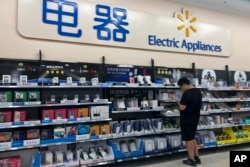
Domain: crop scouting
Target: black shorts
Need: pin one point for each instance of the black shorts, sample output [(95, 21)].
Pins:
[(188, 131)]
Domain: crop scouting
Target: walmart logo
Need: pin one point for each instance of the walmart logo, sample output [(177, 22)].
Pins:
[(187, 22)]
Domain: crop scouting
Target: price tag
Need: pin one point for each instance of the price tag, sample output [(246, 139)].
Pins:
[(105, 136), (82, 137), (5, 145), (33, 142), (6, 104), (5, 124), (32, 103), (62, 165), (83, 119), (139, 133), (59, 120), (36, 122)]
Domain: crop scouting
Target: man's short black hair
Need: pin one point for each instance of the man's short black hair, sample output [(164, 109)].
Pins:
[(183, 81)]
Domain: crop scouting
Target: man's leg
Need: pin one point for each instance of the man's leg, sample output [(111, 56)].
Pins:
[(191, 149), (196, 152)]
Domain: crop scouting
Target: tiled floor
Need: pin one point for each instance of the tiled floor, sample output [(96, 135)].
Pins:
[(210, 158)]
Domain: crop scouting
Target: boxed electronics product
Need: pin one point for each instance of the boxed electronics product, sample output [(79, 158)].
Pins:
[(33, 134), (83, 114), (19, 135), (158, 125), (94, 131), (59, 133), (19, 116), (95, 152), (53, 136), (20, 96), (18, 138), (175, 142), (5, 96), (5, 116), (47, 115), (83, 132), (127, 128), (5, 137), (161, 144), (225, 136), (14, 161), (116, 128), (208, 138), (33, 96), (105, 130), (125, 148), (60, 113), (71, 132), (99, 112), (47, 134), (72, 114), (48, 158), (58, 157), (149, 145), (138, 127)]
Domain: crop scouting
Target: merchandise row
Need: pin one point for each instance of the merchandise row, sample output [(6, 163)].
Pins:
[(75, 133), (60, 115), (119, 149), (13, 161), (19, 98)]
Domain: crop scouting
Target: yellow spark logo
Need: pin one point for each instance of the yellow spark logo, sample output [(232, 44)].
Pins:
[(187, 22)]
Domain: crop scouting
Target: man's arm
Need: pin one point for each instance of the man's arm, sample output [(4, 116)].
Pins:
[(181, 106)]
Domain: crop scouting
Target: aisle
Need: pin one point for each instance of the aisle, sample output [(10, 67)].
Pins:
[(220, 158)]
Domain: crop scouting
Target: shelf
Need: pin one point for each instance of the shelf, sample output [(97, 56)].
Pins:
[(137, 86), (231, 144), (54, 123), (241, 111), (101, 163), (227, 89), (46, 87), (167, 101), (226, 100), (138, 111), (219, 111), (56, 105), (19, 148), (143, 156)]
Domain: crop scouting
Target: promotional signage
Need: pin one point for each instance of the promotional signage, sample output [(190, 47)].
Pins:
[(101, 24)]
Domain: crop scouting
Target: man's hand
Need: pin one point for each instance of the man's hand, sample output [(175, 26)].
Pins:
[(181, 107)]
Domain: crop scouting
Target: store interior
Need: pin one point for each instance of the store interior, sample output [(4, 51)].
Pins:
[(75, 97)]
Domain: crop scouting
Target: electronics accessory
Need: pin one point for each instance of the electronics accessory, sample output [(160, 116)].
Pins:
[(132, 145), (149, 145), (83, 129), (69, 156), (92, 153), (116, 128), (47, 134), (84, 155), (137, 125), (2, 117), (102, 152), (124, 146), (127, 127), (158, 124)]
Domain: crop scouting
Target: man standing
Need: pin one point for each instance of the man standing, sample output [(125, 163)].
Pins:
[(189, 105)]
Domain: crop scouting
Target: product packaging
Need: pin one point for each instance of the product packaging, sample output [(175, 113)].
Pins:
[(48, 114), (19, 116), (60, 113)]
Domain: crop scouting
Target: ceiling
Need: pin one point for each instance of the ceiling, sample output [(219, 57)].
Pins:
[(240, 7)]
